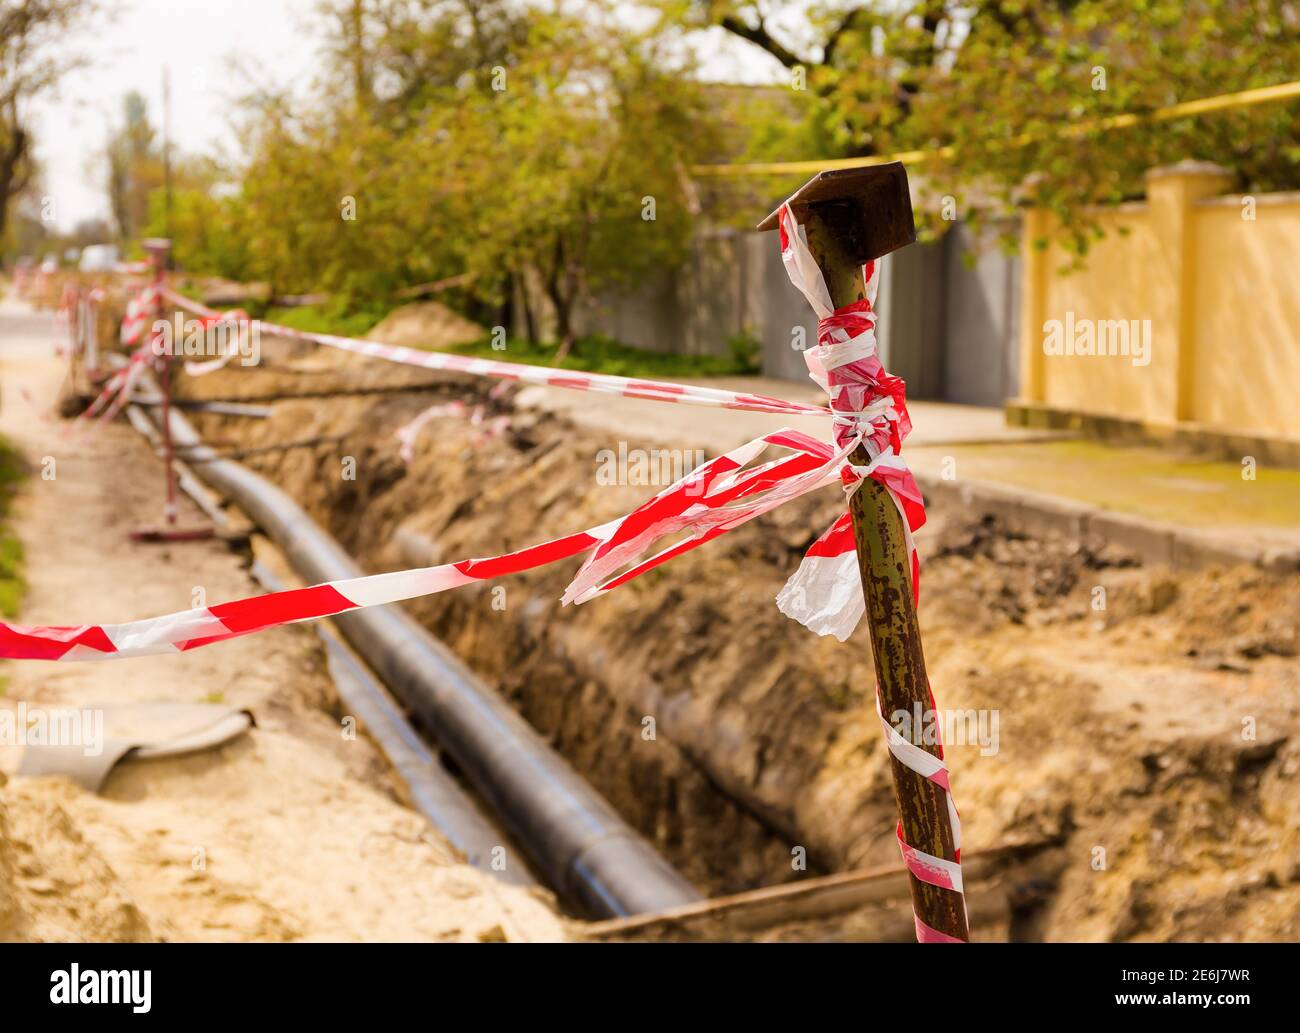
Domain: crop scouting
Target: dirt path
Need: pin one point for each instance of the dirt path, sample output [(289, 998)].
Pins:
[(291, 832)]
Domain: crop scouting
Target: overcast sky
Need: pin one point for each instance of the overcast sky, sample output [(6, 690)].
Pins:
[(199, 40), (210, 47)]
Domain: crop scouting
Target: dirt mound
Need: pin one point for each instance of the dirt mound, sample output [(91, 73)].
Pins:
[(426, 324), (54, 885)]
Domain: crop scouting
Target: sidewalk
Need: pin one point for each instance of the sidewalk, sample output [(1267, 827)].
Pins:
[(645, 424), (967, 455), (1211, 498)]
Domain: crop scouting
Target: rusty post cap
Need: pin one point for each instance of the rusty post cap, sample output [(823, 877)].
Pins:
[(868, 209)]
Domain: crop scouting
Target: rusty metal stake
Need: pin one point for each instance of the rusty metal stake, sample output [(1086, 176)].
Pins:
[(850, 219), (158, 250)]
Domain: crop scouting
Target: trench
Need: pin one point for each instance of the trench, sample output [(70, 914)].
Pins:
[(601, 714), (748, 752), (561, 690)]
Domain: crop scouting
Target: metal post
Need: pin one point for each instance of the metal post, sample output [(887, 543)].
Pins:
[(851, 218), (158, 250), (167, 156)]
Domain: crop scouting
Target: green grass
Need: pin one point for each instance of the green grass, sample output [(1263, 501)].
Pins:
[(186, 289), (328, 319), (12, 583), (594, 354)]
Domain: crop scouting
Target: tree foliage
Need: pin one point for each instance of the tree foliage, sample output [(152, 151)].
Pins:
[(1021, 90), (528, 141), (134, 167), (509, 140), (36, 50)]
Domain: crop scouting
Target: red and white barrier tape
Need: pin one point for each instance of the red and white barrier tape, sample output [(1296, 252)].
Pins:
[(868, 408), (867, 405), (715, 498), (118, 389), (937, 871), (236, 316), (490, 427), (139, 311), (628, 387), (408, 432)]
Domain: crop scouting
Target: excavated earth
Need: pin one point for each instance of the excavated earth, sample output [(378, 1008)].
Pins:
[(1147, 719)]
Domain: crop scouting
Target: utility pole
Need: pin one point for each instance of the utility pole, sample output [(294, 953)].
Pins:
[(167, 157)]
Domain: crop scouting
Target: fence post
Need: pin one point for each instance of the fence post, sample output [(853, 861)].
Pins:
[(834, 222), (158, 250), (90, 339), (1172, 193), (1035, 228)]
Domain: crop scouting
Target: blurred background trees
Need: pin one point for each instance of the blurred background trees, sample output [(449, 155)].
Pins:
[(134, 167), (497, 139), (34, 54), (551, 141), (995, 82)]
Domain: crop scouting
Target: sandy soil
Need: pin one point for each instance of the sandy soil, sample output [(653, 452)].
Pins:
[(1148, 719), (292, 832), (426, 324)]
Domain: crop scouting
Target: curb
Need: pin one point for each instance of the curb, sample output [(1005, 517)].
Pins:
[(1156, 542)]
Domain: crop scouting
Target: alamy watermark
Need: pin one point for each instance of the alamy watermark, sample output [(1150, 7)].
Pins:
[(658, 467), (35, 726), (923, 727), (75, 985), (1130, 338), (207, 339)]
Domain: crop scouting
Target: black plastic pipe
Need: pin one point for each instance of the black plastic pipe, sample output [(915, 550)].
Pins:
[(433, 792), (583, 849)]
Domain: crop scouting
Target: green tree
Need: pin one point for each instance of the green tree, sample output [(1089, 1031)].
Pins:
[(508, 140), (134, 164), (992, 85), (206, 222), (575, 172), (36, 50)]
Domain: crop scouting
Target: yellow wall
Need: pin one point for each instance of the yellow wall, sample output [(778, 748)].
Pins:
[(1222, 294), (1116, 284), (1246, 349)]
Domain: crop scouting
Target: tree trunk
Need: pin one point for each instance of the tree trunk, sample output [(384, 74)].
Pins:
[(11, 178), (563, 325), (562, 298)]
